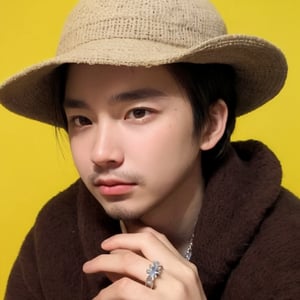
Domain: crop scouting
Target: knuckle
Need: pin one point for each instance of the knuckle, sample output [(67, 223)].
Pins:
[(154, 233), (189, 278), (180, 289), (194, 273), (162, 236), (146, 229), (149, 236), (191, 273), (122, 285), (194, 268)]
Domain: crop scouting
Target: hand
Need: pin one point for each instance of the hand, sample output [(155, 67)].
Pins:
[(129, 258)]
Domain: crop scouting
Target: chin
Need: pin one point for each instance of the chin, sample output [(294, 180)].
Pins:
[(121, 213)]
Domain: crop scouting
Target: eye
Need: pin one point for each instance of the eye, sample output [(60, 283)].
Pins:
[(138, 113), (80, 121)]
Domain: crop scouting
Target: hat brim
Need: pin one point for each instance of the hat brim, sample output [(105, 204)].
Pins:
[(261, 69)]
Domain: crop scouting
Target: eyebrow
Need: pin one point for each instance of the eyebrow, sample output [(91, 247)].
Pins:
[(74, 103), (138, 94)]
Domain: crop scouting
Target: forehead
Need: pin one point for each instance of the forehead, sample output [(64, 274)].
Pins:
[(106, 77)]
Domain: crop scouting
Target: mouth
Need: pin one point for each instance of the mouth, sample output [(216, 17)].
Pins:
[(112, 187)]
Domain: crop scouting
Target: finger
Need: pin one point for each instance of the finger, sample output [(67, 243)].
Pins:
[(126, 264), (126, 288), (122, 262), (154, 250), (139, 227), (147, 243)]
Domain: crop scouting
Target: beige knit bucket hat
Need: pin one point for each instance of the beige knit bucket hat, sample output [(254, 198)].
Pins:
[(149, 33)]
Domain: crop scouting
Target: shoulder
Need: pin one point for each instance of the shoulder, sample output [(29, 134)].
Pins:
[(60, 207), (64, 198), (279, 232), (57, 220), (270, 268), (57, 217), (51, 247), (59, 210)]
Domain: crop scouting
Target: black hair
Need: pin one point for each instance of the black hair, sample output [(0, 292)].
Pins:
[(205, 84), (60, 79)]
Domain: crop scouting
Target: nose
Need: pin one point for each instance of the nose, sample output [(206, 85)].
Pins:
[(107, 148)]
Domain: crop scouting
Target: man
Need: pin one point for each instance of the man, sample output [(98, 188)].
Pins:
[(166, 207)]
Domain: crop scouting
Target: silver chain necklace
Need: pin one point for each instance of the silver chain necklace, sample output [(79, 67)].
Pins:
[(189, 250)]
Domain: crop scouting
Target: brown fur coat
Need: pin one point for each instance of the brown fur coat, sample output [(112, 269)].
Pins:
[(246, 245)]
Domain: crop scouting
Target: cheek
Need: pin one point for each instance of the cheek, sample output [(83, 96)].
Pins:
[(80, 154), (167, 162), (165, 149)]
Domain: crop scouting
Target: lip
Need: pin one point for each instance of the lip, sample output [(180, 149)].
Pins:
[(114, 187)]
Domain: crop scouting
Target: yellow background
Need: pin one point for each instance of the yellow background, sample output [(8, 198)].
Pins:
[(35, 166)]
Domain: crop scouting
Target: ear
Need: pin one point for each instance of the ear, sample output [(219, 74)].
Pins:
[(215, 126)]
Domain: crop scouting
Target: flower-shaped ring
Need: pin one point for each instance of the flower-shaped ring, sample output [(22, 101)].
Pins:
[(153, 272)]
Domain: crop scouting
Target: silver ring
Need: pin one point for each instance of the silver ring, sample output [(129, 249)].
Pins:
[(153, 272)]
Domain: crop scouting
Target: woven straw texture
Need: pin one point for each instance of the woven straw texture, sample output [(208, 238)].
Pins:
[(149, 33)]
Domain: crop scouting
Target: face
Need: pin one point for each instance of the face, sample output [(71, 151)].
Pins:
[(132, 139)]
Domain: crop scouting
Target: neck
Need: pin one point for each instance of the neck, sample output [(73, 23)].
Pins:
[(176, 218)]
